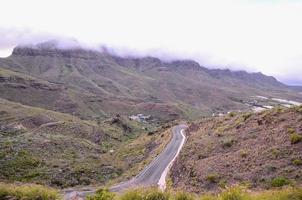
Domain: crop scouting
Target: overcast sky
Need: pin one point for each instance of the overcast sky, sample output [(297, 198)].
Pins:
[(252, 35)]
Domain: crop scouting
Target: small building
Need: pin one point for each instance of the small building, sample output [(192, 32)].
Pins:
[(140, 117)]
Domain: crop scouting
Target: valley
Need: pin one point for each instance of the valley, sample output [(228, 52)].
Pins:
[(78, 120)]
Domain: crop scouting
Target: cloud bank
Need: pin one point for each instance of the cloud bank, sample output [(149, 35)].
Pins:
[(250, 35)]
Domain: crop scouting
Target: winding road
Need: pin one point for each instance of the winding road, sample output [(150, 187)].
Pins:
[(155, 173)]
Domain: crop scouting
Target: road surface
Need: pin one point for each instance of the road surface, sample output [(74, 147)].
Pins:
[(155, 173)]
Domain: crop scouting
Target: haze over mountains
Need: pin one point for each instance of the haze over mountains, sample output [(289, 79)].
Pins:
[(93, 84)]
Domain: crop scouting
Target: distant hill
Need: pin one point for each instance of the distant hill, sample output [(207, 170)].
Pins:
[(259, 150), (92, 84)]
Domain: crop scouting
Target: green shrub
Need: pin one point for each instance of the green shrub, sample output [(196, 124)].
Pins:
[(279, 182), (284, 194), (183, 196), (222, 184), (228, 142), (246, 116), (156, 194), (232, 114), (295, 138), (132, 195), (275, 152), (299, 109), (279, 110), (142, 194), (27, 192), (213, 178), (102, 194), (234, 193), (297, 162), (243, 153), (291, 130), (208, 197)]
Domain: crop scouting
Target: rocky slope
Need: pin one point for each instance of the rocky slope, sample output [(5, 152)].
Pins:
[(260, 150)]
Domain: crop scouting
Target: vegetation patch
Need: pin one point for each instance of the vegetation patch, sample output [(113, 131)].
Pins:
[(213, 178), (27, 192), (295, 138), (20, 166), (232, 193), (279, 182), (243, 153), (297, 162), (226, 143)]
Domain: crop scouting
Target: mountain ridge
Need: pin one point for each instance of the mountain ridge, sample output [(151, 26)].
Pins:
[(52, 50), (112, 84)]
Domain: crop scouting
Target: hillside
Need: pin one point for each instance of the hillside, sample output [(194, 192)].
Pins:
[(61, 150), (65, 116), (260, 150), (92, 85)]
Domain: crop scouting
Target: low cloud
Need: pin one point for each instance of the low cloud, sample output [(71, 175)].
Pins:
[(241, 35)]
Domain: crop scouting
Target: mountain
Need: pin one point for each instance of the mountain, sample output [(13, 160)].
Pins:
[(97, 85), (65, 113), (260, 150)]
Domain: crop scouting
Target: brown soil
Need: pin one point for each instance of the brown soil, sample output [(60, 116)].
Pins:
[(249, 148)]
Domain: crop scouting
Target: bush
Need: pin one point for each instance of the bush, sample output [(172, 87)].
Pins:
[(142, 194), (291, 130), (295, 138), (299, 109), (132, 195), (156, 194), (285, 194), (279, 182), (243, 153), (232, 114), (102, 194), (213, 178), (276, 152), (183, 196), (246, 116), (27, 192), (234, 193), (228, 142), (297, 162), (208, 197)]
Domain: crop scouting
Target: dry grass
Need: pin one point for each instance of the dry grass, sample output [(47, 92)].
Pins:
[(233, 193), (27, 192)]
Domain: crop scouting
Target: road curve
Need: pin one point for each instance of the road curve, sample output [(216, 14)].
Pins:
[(155, 173)]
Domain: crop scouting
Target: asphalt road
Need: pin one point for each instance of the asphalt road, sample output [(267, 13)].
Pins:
[(155, 173)]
